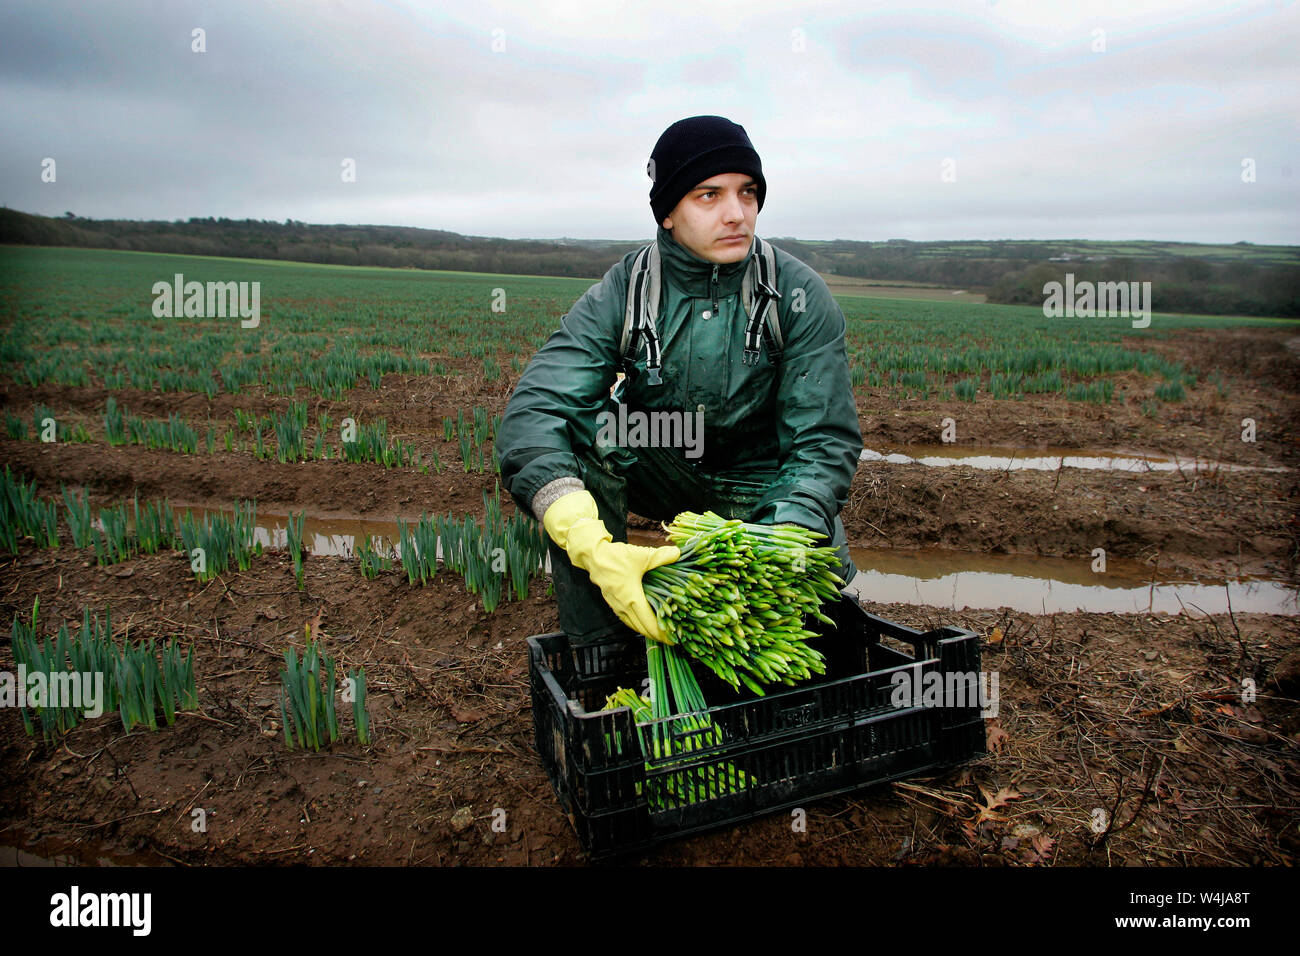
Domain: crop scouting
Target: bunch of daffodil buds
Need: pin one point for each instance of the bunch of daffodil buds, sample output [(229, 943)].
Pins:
[(737, 599)]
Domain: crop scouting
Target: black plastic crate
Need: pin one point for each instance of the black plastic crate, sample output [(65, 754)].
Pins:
[(839, 733)]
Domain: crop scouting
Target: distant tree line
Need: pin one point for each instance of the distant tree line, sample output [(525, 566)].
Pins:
[(1177, 285), (391, 246), (910, 262), (1009, 271)]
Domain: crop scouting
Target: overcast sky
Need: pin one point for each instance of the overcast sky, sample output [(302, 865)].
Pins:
[(1052, 119)]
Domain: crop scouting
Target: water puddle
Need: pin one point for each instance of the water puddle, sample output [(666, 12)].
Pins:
[(934, 577), (45, 851), (1045, 585), (993, 458), (330, 537)]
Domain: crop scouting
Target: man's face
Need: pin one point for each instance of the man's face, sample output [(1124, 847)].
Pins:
[(715, 220)]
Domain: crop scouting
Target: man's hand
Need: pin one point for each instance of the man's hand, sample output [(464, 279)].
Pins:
[(573, 522)]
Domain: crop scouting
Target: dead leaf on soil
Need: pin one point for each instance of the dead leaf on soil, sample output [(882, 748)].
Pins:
[(995, 736), (1039, 852), (994, 801), (313, 626), (1251, 735), (466, 715), (1156, 710)]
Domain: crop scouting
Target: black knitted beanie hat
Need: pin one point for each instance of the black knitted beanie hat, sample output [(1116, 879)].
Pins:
[(692, 150)]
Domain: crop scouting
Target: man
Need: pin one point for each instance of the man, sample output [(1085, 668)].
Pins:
[(766, 435)]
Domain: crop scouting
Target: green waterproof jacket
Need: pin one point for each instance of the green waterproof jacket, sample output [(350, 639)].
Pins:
[(792, 424)]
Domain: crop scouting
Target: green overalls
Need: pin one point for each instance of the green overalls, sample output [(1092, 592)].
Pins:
[(780, 439)]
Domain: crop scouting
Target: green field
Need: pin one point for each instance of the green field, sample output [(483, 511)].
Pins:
[(84, 317), (78, 317)]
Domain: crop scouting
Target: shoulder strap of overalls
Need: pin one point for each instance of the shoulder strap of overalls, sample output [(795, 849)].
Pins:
[(758, 293), (639, 316)]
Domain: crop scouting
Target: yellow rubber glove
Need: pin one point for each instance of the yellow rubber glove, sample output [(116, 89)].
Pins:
[(573, 522)]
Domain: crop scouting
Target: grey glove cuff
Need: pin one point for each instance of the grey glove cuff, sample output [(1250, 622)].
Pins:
[(553, 491)]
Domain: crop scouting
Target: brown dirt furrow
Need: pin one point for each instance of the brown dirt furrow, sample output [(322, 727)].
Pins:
[(324, 488)]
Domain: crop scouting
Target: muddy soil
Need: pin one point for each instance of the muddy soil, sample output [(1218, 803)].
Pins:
[(1142, 717), (1209, 523)]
